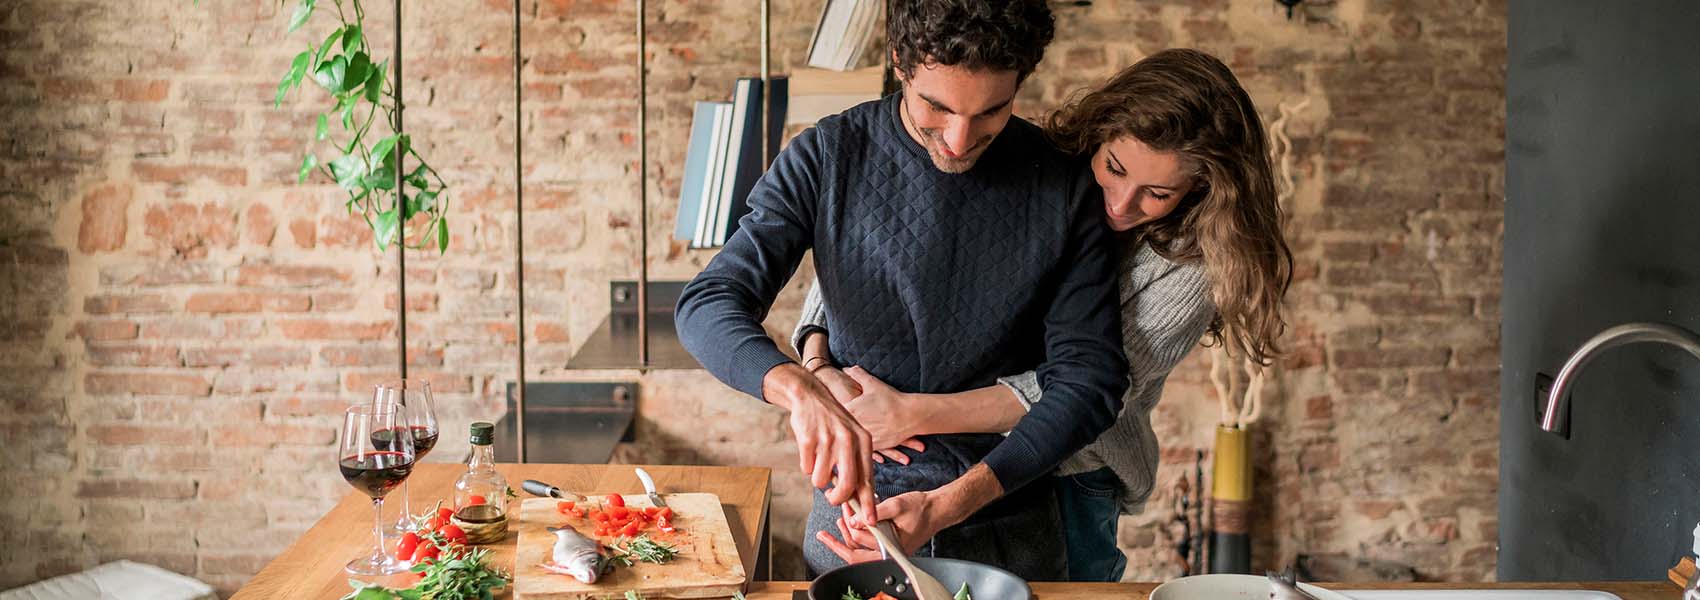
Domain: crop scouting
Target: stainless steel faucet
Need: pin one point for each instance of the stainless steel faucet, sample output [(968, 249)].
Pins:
[(1557, 415)]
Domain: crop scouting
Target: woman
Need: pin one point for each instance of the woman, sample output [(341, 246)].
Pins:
[(1180, 153)]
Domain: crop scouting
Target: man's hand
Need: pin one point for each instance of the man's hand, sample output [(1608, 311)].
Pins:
[(909, 514), (843, 388), (917, 516), (829, 441)]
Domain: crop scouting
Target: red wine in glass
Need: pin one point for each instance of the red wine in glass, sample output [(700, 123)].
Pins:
[(376, 473), (375, 464), (415, 411), (424, 439)]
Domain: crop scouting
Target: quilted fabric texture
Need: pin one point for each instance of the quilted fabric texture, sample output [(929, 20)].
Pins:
[(938, 282)]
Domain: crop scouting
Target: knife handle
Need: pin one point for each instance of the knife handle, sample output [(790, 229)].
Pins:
[(538, 488)]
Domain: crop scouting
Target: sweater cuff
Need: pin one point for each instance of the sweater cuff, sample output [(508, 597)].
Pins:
[(750, 363), (1015, 464), (1025, 387)]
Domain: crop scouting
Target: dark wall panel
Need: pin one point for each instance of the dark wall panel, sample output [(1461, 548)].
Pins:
[(1602, 227)]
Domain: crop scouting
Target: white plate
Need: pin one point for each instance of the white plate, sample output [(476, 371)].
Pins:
[(1229, 587)]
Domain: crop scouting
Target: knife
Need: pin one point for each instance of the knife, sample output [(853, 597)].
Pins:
[(538, 488), (649, 488)]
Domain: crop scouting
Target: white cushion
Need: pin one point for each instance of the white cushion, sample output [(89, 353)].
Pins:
[(119, 580)]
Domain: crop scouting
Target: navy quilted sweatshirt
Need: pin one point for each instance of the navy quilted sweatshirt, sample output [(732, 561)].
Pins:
[(938, 282)]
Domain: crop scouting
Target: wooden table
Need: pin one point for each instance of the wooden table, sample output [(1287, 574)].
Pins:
[(311, 568), (1660, 590)]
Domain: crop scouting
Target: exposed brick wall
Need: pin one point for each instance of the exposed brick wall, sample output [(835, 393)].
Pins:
[(182, 323)]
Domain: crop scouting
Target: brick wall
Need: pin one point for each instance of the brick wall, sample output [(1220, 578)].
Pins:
[(182, 323)]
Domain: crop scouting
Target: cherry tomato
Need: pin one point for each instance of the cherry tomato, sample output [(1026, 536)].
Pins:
[(565, 506), (452, 533), (404, 548), (426, 551), (476, 500), (666, 513), (651, 511), (616, 500), (619, 512)]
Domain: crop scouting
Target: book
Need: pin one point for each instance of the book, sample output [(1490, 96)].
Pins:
[(692, 185), (842, 33), (715, 172), (746, 128), (752, 164)]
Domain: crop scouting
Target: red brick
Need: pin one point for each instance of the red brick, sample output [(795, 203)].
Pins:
[(190, 229), (417, 302), (1401, 357), (215, 302), (106, 330), (163, 384), (162, 274), (1418, 305), (301, 230), (142, 435), (441, 383), (291, 276), (136, 488), (1319, 408), (319, 329), (363, 355), (183, 174), (334, 302), (257, 356), (200, 328), (1377, 510), (142, 90), (105, 219), (263, 435), (260, 226), (107, 304), (307, 406), (64, 88), (133, 355), (343, 231), (551, 333)]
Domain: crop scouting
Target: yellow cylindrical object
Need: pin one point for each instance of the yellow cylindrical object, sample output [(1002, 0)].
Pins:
[(1232, 469)]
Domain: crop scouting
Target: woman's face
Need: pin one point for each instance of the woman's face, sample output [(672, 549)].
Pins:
[(1140, 185)]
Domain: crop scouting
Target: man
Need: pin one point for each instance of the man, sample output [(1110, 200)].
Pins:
[(955, 245)]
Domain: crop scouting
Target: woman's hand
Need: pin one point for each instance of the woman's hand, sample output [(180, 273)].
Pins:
[(910, 514), (889, 416)]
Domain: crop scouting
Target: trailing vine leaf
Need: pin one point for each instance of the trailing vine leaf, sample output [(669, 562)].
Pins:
[(308, 164), (297, 70), (367, 159), (385, 228), (302, 12)]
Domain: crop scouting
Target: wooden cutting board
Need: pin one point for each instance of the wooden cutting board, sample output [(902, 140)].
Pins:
[(708, 565)]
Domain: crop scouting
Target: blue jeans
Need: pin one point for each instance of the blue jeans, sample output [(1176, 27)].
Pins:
[(1090, 511)]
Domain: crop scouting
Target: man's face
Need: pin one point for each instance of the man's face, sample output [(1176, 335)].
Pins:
[(955, 112)]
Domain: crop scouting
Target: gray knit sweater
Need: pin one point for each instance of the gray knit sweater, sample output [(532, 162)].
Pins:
[(1166, 308)]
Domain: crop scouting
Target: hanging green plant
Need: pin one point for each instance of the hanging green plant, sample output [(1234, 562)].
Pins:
[(365, 169)]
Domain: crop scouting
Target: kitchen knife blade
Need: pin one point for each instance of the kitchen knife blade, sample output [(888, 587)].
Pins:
[(649, 488)]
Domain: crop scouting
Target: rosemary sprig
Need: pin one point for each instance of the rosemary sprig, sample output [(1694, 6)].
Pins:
[(643, 549)]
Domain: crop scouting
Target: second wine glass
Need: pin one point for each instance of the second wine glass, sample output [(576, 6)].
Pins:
[(416, 417), (375, 465)]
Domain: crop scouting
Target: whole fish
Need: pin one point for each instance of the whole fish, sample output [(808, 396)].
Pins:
[(1284, 586), (575, 555)]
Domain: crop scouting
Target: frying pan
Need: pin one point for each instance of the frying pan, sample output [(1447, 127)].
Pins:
[(985, 582)]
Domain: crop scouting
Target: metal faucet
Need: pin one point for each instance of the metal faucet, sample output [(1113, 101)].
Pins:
[(1557, 415), (1556, 418)]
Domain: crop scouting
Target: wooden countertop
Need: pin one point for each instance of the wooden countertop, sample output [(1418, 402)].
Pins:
[(311, 568), (1658, 590)]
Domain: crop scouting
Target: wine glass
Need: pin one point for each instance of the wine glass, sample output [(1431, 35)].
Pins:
[(374, 465), (415, 414)]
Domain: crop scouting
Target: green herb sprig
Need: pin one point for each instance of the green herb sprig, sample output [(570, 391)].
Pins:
[(643, 549)]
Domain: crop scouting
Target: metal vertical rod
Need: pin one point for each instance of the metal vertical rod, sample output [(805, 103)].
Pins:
[(643, 196), (519, 241), (766, 87), (401, 202)]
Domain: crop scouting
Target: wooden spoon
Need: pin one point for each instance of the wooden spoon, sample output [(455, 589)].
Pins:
[(926, 587)]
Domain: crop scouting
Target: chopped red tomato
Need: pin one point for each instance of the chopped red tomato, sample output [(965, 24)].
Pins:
[(882, 596)]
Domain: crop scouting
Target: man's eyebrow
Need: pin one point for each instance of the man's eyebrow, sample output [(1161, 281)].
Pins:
[(941, 106)]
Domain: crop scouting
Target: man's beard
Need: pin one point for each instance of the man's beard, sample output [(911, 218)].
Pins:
[(953, 166)]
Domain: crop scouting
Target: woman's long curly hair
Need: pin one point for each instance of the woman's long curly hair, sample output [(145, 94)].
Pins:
[(1188, 102)]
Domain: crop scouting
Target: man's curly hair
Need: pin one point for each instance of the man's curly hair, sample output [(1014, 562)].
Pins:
[(1001, 35)]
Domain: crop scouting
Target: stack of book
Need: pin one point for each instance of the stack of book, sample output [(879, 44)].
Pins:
[(724, 160), (843, 32)]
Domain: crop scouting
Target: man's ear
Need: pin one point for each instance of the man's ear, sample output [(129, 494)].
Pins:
[(896, 72)]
